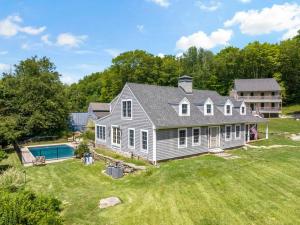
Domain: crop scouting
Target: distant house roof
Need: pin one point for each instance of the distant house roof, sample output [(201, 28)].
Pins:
[(78, 119), (159, 101), (265, 84), (99, 106)]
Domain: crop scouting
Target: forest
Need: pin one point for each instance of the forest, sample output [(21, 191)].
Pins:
[(209, 71), (33, 100)]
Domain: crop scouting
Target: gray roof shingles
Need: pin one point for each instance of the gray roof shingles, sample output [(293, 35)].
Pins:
[(264, 84), (99, 106), (158, 100)]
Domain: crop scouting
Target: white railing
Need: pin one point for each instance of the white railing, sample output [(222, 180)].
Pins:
[(258, 97)]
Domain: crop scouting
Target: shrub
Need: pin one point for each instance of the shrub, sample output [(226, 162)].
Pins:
[(25, 207), (12, 179), (89, 135), (3, 155), (81, 149)]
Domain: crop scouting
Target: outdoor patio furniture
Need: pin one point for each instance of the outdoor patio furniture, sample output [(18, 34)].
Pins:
[(39, 160)]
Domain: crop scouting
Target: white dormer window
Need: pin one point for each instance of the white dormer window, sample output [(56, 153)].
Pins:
[(184, 107), (228, 108), (243, 109), (208, 107)]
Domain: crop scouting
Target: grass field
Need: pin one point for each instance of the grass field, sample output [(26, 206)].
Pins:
[(261, 187)]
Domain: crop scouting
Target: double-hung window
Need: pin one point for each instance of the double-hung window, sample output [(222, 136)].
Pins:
[(227, 132), (101, 133), (116, 136), (184, 109), (196, 136), (208, 109), (144, 140), (131, 138), (228, 109), (237, 131), (127, 108), (182, 138)]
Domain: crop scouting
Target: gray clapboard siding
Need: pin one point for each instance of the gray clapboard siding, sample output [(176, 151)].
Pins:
[(139, 122), (167, 142)]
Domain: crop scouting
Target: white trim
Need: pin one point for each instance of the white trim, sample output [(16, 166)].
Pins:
[(141, 141), (185, 101), (182, 146), (111, 135), (128, 133), (100, 139), (199, 143), (228, 102), (208, 101), (126, 100), (243, 105), (228, 139), (154, 146), (238, 125)]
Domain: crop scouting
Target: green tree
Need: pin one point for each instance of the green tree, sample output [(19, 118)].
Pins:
[(33, 101)]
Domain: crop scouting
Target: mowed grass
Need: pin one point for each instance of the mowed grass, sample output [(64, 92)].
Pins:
[(262, 187)]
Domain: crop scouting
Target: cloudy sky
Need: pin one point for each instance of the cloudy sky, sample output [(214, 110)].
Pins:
[(82, 37)]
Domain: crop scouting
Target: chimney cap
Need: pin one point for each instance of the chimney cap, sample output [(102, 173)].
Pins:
[(185, 77)]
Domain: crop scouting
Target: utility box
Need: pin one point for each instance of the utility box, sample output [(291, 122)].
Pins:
[(109, 170), (117, 172)]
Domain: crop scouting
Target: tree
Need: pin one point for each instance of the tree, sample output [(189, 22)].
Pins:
[(33, 101)]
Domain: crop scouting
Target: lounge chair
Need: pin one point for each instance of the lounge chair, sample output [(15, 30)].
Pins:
[(39, 160)]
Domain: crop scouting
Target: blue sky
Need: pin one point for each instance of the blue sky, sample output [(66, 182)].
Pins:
[(82, 37)]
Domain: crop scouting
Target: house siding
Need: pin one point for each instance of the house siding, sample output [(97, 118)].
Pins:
[(139, 122), (167, 142)]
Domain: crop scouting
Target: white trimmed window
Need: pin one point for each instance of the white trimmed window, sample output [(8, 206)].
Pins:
[(116, 136), (144, 140), (184, 107), (228, 133), (127, 108), (238, 131), (228, 108), (196, 136), (208, 107), (131, 137), (101, 132), (182, 138), (243, 109)]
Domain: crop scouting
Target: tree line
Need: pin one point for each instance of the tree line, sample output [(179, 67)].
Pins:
[(209, 71), (34, 102)]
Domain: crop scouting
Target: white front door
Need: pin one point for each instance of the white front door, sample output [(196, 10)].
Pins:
[(214, 138)]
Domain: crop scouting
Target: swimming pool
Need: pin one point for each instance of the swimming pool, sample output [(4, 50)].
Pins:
[(53, 152)]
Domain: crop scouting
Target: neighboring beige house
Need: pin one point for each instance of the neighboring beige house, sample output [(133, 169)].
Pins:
[(262, 96)]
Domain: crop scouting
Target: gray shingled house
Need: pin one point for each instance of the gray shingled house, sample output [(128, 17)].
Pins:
[(159, 123), (261, 96)]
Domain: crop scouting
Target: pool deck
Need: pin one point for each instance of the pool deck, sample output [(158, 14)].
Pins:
[(28, 158)]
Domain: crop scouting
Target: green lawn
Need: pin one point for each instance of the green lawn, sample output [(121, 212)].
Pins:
[(291, 109), (261, 187)]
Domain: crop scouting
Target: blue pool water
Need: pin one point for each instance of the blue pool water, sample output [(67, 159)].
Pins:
[(53, 151)]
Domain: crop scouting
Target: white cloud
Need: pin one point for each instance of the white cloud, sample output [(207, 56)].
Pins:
[(25, 46), (245, 1), (278, 18), (11, 26), (210, 6), (45, 39), (162, 3), (4, 68), (3, 52), (201, 39), (161, 55), (180, 54), (70, 40), (113, 52), (140, 28)]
